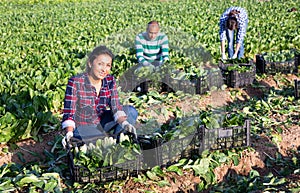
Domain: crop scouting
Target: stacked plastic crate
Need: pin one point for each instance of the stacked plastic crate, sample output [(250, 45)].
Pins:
[(236, 78)]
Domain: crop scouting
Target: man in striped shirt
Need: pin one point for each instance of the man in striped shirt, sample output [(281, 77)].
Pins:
[(234, 18), (152, 46)]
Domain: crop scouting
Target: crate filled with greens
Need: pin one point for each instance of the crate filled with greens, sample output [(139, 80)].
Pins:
[(165, 153), (173, 141), (219, 130), (104, 160), (205, 81), (224, 137), (168, 79), (130, 81), (284, 61), (172, 151), (210, 80), (297, 88), (193, 136), (238, 73)]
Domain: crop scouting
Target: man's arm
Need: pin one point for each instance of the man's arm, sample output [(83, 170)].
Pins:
[(140, 51), (165, 49)]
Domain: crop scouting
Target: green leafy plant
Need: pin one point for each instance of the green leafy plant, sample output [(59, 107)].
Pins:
[(106, 152)]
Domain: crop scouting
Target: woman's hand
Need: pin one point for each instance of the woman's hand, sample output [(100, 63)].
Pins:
[(234, 56), (224, 56), (67, 138), (128, 127), (121, 119)]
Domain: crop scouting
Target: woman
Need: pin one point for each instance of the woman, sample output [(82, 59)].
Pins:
[(233, 19), (88, 97)]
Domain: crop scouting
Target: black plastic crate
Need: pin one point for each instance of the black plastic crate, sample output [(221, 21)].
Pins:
[(109, 173), (158, 152), (224, 138), (284, 67), (212, 79), (297, 88), (120, 171), (198, 85), (172, 151), (130, 82), (162, 153), (236, 79)]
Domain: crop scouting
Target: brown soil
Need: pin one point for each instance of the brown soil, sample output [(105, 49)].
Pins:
[(28, 150), (263, 145), (185, 183)]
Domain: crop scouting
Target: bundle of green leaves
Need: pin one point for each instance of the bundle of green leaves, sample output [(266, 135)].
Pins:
[(105, 152)]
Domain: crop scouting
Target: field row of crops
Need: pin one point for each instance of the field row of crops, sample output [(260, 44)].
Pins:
[(44, 42), (52, 174)]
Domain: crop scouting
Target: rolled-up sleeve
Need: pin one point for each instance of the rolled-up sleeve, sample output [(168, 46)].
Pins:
[(165, 48), (140, 50)]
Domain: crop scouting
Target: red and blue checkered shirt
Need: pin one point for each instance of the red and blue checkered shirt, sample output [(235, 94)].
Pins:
[(82, 106), (242, 19)]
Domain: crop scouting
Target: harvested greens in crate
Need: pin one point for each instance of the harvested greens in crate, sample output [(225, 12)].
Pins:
[(105, 160), (168, 79), (284, 61), (238, 73)]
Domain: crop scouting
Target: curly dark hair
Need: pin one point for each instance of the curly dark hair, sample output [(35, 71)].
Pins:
[(232, 22)]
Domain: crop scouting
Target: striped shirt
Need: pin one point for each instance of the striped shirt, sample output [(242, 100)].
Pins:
[(82, 106), (242, 19), (148, 51)]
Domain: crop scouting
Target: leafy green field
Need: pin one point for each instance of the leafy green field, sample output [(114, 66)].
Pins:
[(44, 42)]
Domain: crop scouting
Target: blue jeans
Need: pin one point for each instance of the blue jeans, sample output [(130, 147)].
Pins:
[(231, 37), (107, 118), (107, 124)]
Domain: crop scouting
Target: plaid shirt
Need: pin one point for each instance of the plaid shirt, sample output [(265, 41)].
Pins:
[(242, 19), (82, 106)]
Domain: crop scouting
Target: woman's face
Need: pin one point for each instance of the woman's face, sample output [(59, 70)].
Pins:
[(100, 67)]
